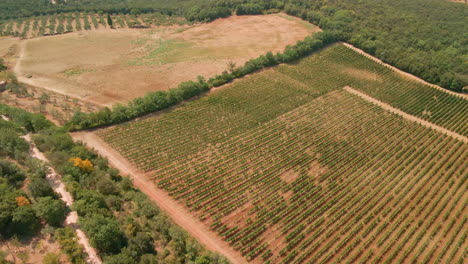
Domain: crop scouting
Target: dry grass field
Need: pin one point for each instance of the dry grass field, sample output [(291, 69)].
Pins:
[(108, 66), (6, 43)]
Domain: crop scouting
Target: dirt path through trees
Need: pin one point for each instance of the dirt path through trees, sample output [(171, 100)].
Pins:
[(55, 181), (178, 213), (405, 115)]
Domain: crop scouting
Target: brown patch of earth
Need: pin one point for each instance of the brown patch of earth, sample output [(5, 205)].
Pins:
[(362, 74), (316, 169), (6, 43), (55, 107), (239, 216), (289, 176)]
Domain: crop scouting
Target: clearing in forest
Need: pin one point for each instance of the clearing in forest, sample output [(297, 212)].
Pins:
[(107, 66), (288, 167)]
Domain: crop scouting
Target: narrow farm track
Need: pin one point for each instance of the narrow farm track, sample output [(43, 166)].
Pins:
[(72, 218), (405, 115), (178, 213)]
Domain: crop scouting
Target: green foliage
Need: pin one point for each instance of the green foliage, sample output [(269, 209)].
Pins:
[(69, 243), (3, 258), (12, 126), (249, 9), (11, 145), (207, 14), (89, 202), (109, 21), (31, 122), (104, 233), (51, 258), (17, 215), (53, 211), (7, 206), (53, 140), (24, 221), (12, 173), (140, 244), (2, 65), (40, 187), (202, 260), (121, 258)]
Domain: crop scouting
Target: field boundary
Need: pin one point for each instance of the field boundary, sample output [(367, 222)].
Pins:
[(406, 74), (405, 115), (176, 211)]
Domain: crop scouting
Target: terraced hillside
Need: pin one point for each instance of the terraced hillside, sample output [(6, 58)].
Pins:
[(289, 167)]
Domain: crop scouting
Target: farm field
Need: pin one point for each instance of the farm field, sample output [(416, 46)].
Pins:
[(289, 167), (119, 65)]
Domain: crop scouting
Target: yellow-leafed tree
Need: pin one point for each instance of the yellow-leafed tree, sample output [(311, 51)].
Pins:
[(22, 201), (86, 165)]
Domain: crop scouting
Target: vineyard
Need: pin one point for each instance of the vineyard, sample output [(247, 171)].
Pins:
[(71, 22), (289, 167)]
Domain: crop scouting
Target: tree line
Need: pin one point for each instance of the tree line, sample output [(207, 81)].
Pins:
[(425, 38), (159, 100)]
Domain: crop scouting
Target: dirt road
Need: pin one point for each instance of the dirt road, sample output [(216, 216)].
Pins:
[(55, 181), (405, 115), (178, 213)]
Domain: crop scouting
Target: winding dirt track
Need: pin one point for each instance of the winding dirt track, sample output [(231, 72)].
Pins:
[(178, 213), (405, 115), (55, 181)]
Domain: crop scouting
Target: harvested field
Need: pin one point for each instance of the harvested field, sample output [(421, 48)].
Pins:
[(288, 167), (119, 65)]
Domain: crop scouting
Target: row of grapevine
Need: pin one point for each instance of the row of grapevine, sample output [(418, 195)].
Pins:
[(289, 168)]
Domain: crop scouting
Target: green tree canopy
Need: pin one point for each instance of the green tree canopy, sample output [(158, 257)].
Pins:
[(53, 211)]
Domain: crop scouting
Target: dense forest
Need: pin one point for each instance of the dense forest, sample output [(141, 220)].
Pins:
[(121, 222)]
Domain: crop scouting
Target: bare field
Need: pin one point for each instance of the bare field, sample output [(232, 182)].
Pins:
[(109, 66), (6, 43)]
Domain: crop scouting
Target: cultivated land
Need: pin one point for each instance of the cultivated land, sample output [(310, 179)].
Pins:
[(107, 66), (288, 166)]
